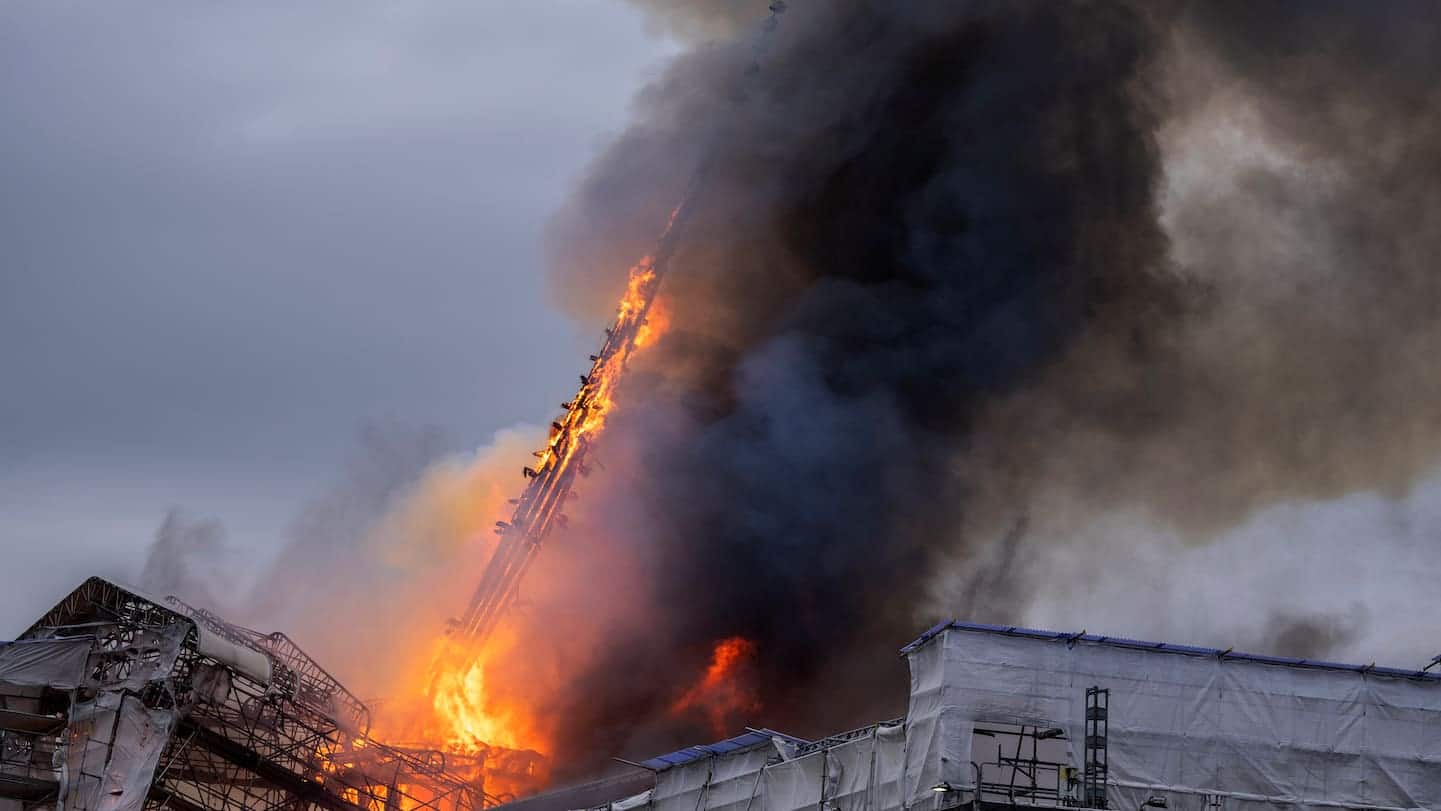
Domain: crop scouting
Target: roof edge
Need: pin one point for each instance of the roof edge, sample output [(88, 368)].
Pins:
[(750, 739), (1166, 647)]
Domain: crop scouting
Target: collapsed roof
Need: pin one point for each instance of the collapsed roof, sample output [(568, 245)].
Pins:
[(115, 701)]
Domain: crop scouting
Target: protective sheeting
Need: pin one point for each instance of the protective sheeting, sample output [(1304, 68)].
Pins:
[(748, 740), (868, 771), (116, 742), (1184, 724), (111, 741), (631, 803), (57, 663), (1200, 728), (245, 659), (92, 661)]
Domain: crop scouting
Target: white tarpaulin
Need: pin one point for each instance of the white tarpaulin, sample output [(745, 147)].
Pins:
[(867, 772), (1185, 723), (57, 663), (112, 740), (1197, 727), (115, 744)]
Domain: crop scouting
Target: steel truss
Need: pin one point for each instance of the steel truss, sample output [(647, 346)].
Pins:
[(297, 741)]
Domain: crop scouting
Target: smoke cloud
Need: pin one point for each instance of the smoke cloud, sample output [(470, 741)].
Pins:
[(190, 557), (963, 268), (1120, 314), (376, 565)]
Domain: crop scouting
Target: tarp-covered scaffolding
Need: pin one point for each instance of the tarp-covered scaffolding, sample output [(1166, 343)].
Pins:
[(115, 701), (1190, 728)]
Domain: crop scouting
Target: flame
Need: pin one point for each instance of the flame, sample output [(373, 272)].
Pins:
[(482, 719), (638, 315), (479, 703), (635, 315), (725, 690), (473, 720), (656, 324), (483, 702), (370, 782)]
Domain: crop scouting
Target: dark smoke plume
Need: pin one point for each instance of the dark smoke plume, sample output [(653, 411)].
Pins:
[(914, 211), (958, 263), (1312, 637)]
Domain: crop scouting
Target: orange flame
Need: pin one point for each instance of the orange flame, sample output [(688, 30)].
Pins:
[(656, 324), (474, 720), (481, 718), (637, 308), (725, 690), (476, 703)]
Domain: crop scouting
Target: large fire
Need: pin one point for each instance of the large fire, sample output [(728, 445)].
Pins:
[(636, 306), (474, 700), (725, 690), (471, 718)]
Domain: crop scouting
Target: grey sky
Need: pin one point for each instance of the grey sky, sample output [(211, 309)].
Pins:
[(230, 234)]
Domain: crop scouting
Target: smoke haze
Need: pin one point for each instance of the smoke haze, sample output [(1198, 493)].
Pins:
[(1049, 313), (958, 267), (188, 556)]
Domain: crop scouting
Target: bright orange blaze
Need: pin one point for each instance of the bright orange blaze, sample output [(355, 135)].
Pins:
[(725, 690), (470, 706), (473, 719), (648, 324), (632, 313), (657, 323)]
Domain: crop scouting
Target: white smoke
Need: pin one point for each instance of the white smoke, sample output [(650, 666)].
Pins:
[(1351, 578)]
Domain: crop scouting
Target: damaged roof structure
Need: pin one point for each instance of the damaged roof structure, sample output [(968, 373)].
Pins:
[(115, 701), (1001, 717)]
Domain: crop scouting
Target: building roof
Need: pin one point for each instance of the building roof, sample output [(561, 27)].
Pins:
[(752, 738), (1167, 647)]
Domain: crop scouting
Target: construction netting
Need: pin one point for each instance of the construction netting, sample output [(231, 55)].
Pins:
[(1196, 727), (868, 770), (57, 663), (1183, 727), (112, 740)]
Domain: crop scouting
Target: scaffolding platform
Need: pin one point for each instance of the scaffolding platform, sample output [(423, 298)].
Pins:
[(1002, 717)]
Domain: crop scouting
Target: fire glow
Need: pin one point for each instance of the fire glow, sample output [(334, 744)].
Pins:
[(470, 717), (474, 699), (725, 690)]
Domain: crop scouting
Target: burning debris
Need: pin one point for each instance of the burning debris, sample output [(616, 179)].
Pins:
[(457, 679), (964, 279), (457, 682), (115, 701), (725, 694), (963, 263)]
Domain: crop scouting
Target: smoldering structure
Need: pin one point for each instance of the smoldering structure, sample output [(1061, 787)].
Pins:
[(116, 700), (961, 277), (963, 268)]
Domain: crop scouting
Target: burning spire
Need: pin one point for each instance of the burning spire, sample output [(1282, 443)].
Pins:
[(567, 451), (538, 510), (457, 677)]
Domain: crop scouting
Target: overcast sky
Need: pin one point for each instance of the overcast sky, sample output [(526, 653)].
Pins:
[(231, 234)]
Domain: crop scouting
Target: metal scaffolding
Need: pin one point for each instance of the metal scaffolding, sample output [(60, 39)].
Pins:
[(114, 701)]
